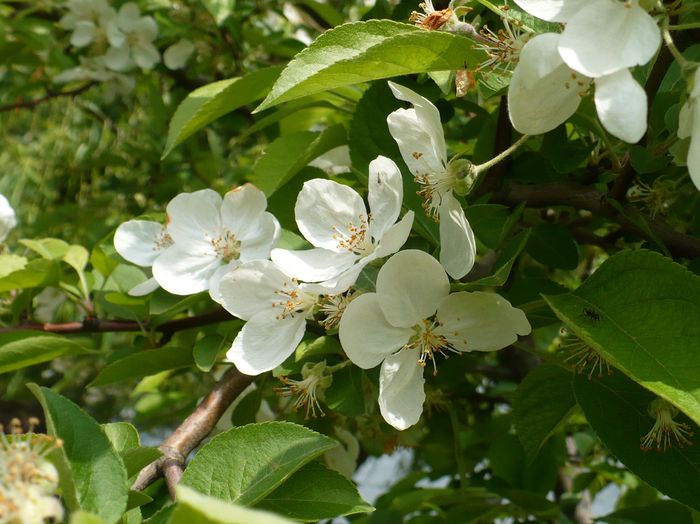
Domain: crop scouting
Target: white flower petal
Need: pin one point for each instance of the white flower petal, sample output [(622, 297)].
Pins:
[(605, 37), (194, 219), (144, 288), (242, 209), (259, 242), (410, 285), (183, 273), (425, 117), (480, 321), (128, 15), (324, 210), (622, 106), (544, 92), (345, 280), (312, 265), (8, 219), (118, 59), (265, 342), (694, 150), (215, 279), (457, 243), (685, 119), (401, 389), (147, 29), (176, 56), (83, 34), (552, 10), (367, 338), (137, 241), (253, 287), (385, 194), (395, 237), (146, 56)]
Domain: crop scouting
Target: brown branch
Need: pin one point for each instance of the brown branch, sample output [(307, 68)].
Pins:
[(582, 197), (95, 325), (29, 104), (193, 431)]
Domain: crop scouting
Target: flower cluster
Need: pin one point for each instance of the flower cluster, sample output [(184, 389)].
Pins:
[(228, 247), (28, 481), (601, 41), (116, 42)]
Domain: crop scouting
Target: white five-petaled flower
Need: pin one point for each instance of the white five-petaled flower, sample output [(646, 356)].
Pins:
[(418, 133), (211, 236), (410, 319), (345, 236), (88, 20), (689, 126), (8, 219), (131, 39), (275, 307), (601, 41), (140, 242)]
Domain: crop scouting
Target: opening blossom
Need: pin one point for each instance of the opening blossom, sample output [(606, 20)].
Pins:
[(689, 126), (8, 219), (418, 133), (346, 238), (140, 242), (411, 319), (601, 41), (131, 39), (275, 307), (212, 235)]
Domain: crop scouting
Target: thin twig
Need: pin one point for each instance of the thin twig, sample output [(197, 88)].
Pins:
[(193, 431), (29, 104)]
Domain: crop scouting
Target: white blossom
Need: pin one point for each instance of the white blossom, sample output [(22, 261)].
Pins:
[(211, 236), (544, 92), (8, 219), (418, 133), (689, 127), (131, 39), (275, 307), (411, 319), (88, 20), (334, 219)]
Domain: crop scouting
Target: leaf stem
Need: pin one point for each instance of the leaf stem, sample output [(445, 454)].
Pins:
[(500, 157)]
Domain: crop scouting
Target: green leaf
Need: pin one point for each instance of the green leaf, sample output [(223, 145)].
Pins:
[(83, 517), (313, 347), (204, 105), (244, 464), (136, 459), (206, 350), (137, 499), (144, 363), (325, 11), (10, 264), (666, 511), (93, 477), (553, 246), (617, 409), (25, 349), (195, 508), (220, 10), (49, 248), (36, 273), (345, 393), (122, 435), (541, 402), (76, 257), (315, 492), (641, 312), (363, 51), (288, 155)]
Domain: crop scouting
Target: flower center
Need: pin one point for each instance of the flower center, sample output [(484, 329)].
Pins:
[(356, 240), (333, 307), (294, 301), (502, 47), (431, 19), (433, 186), (584, 359), (163, 240), (666, 432), (316, 378), (227, 247), (430, 342)]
